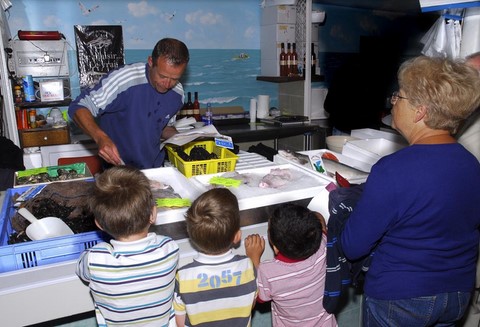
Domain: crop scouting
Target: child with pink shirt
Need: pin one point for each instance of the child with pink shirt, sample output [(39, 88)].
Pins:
[(294, 281)]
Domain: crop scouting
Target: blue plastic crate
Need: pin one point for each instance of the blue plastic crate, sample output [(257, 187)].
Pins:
[(39, 253)]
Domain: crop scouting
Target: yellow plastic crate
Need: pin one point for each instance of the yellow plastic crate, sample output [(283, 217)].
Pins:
[(226, 162)]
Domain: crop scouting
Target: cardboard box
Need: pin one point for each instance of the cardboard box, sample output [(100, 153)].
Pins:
[(51, 90), (283, 14)]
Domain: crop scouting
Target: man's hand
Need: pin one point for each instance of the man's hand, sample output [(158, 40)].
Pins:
[(106, 148), (108, 151)]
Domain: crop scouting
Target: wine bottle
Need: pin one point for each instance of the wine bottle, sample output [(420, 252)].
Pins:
[(183, 111), (196, 108), (189, 105), (288, 69), (294, 69), (283, 60)]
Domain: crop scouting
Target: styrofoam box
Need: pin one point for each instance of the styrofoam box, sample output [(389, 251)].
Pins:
[(303, 185), (283, 14), (369, 133), (362, 166), (181, 185), (370, 150), (87, 175)]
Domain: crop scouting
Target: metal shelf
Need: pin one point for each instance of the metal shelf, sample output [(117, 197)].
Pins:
[(39, 104), (286, 79)]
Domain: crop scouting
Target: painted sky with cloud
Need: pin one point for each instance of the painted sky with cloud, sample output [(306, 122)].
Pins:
[(201, 24)]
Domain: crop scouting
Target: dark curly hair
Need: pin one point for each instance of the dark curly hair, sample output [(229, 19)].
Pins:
[(295, 231)]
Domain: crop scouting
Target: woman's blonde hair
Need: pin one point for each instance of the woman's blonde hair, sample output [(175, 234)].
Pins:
[(449, 90)]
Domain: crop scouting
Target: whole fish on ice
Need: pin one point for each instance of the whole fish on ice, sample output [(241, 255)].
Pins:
[(298, 158), (276, 178), (328, 164)]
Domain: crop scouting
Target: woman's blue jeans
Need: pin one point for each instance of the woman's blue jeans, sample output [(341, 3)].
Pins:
[(441, 310)]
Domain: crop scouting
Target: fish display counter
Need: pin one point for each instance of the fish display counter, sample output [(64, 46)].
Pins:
[(52, 291)]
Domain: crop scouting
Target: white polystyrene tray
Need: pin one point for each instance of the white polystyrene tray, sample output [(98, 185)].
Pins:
[(363, 166), (304, 185), (370, 150), (181, 185), (370, 133), (346, 160)]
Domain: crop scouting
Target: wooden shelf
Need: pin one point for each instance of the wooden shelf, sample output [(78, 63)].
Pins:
[(286, 79)]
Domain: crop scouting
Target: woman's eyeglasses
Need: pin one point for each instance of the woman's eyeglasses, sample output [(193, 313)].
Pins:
[(395, 97)]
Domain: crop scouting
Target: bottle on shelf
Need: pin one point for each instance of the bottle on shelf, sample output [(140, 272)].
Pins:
[(189, 105), (22, 119), (289, 60), (18, 94), (209, 115), (28, 88), (314, 61), (32, 114), (283, 60), (183, 111), (196, 108), (294, 62)]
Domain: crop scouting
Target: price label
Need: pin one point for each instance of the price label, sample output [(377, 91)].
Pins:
[(224, 142), (173, 202), (228, 182)]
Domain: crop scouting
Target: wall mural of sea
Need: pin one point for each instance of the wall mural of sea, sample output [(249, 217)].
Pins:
[(223, 77)]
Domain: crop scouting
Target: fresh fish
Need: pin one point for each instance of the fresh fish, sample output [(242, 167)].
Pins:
[(161, 190), (296, 157), (245, 178), (276, 178)]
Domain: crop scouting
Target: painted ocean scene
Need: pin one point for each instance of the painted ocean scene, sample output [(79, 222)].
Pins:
[(223, 77)]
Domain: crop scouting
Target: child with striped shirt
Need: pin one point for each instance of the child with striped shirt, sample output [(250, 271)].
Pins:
[(132, 277), (218, 288)]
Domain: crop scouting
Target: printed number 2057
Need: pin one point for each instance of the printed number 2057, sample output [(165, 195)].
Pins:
[(216, 281)]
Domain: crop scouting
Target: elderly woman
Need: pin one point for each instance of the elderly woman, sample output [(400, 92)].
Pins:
[(419, 214)]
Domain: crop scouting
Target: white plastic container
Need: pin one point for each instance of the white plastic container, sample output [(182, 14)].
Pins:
[(370, 150), (304, 184), (181, 185), (370, 133)]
